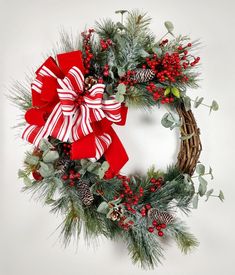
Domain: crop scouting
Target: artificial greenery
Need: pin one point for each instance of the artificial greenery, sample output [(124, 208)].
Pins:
[(139, 209)]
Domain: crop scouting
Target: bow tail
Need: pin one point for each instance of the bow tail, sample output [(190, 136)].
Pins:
[(115, 153), (57, 126)]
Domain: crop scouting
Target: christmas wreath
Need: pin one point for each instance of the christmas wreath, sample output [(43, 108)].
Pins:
[(75, 163)]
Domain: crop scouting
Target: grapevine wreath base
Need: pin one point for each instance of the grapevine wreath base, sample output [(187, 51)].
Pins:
[(77, 157)]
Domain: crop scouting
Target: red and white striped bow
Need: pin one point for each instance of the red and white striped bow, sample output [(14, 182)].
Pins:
[(63, 109)]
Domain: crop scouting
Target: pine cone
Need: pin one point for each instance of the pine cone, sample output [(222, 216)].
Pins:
[(143, 75), (85, 193), (63, 164), (161, 216)]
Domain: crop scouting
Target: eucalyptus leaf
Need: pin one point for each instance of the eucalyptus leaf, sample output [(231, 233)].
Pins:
[(93, 166), (169, 26), (45, 145), (121, 88), (214, 106), (119, 97), (198, 102), (50, 156), (166, 122), (202, 186), (221, 195), (187, 137), (211, 173), (200, 169), (58, 182), (176, 92), (22, 174), (32, 160), (103, 208), (27, 181), (187, 103), (121, 72), (143, 53), (195, 201), (157, 50), (46, 170), (105, 166), (208, 193)]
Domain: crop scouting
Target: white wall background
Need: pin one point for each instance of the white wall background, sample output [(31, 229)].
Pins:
[(28, 29)]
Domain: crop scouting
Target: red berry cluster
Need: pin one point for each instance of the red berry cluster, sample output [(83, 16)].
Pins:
[(155, 184), (144, 210), (105, 44), (125, 223), (157, 227), (128, 78), (87, 47), (158, 94), (130, 198), (171, 66), (71, 177), (66, 148), (106, 70)]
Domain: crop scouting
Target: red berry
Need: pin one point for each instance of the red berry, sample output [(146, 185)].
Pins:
[(37, 175), (152, 189), (159, 227), (148, 206), (160, 233), (72, 183), (65, 177), (153, 180), (163, 225), (189, 44), (151, 229), (154, 223)]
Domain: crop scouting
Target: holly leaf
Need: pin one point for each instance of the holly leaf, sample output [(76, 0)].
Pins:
[(50, 156), (103, 208), (169, 26), (175, 91), (221, 195), (202, 186), (195, 201), (167, 91), (200, 169)]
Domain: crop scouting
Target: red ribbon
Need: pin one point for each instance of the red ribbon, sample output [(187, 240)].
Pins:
[(62, 109)]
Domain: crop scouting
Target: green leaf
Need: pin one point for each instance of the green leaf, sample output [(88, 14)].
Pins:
[(121, 72), (214, 106), (208, 193), (169, 26), (198, 102), (93, 167), (157, 51), (50, 156), (187, 103), (187, 136), (45, 145), (105, 166), (103, 208), (167, 91), (200, 169), (175, 91), (165, 122), (22, 174), (121, 11), (195, 201), (119, 97), (143, 53), (58, 182), (202, 186), (32, 160), (121, 88), (46, 170), (211, 173), (27, 181), (221, 195)]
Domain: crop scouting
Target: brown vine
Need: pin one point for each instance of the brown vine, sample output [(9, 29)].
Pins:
[(190, 147)]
